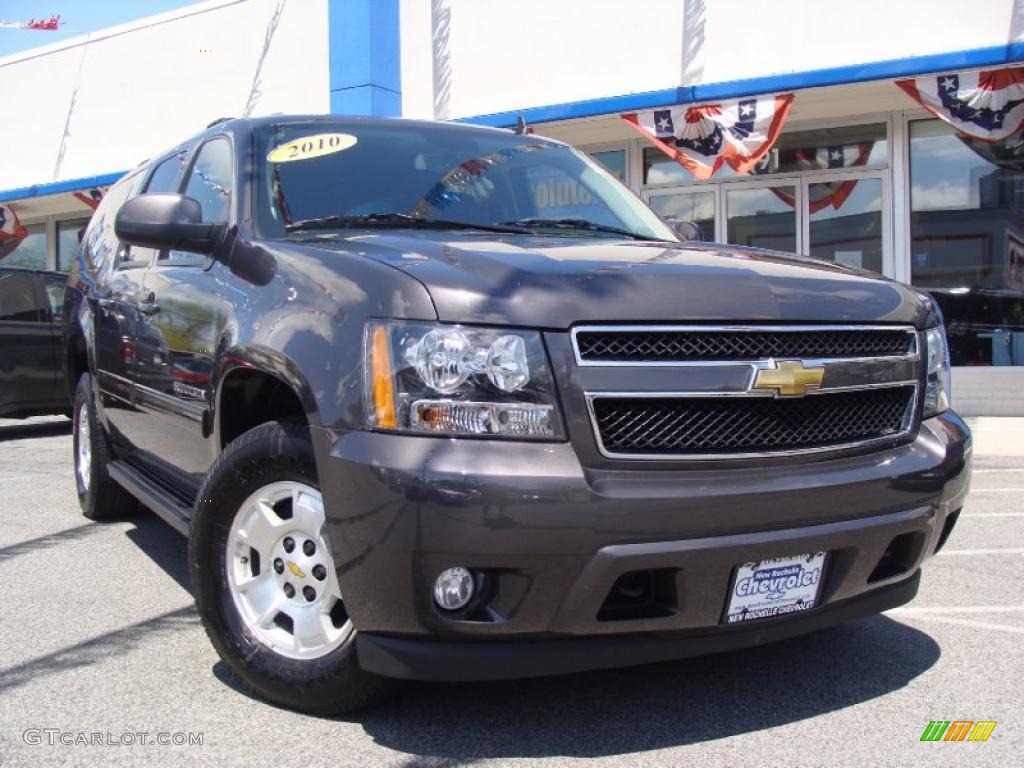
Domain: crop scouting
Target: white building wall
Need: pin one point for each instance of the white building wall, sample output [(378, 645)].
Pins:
[(486, 56), (104, 102)]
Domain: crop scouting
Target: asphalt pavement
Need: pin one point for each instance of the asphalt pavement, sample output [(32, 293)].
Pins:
[(102, 658)]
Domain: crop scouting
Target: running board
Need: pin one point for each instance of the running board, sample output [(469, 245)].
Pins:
[(165, 504)]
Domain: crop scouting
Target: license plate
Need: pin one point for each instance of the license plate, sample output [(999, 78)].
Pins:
[(775, 587)]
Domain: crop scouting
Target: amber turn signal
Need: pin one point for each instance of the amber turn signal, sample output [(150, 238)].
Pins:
[(381, 375)]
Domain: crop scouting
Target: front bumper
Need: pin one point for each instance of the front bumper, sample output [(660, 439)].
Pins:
[(454, 660), (553, 537)]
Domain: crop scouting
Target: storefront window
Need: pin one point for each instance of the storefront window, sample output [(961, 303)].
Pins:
[(696, 206), (31, 252), (614, 161), (846, 222), (69, 235), (763, 217), (967, 229)]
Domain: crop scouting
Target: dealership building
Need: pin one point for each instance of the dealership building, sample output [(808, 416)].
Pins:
[(894, 141)]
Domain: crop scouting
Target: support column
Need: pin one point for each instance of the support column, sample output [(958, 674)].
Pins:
[(365, 71)]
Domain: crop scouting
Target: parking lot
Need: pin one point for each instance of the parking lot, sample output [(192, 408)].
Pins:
[(98, 635)]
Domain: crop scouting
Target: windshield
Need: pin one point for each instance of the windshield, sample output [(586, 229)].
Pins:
[(327, 175)]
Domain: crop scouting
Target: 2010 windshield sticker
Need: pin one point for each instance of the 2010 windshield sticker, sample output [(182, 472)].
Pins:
[(308, 147)]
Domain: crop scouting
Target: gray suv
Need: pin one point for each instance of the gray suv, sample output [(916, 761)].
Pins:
[(441, 402)]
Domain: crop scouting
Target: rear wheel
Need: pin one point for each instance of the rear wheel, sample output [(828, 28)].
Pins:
[(265, 579), (98, 495)]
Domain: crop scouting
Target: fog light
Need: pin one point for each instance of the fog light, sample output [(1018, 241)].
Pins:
[(454, 588)]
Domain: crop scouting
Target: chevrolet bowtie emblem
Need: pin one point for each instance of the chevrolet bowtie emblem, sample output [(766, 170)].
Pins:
[(789, 378), (296, 571)]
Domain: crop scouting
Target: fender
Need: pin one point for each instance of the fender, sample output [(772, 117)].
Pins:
[(266, 361)]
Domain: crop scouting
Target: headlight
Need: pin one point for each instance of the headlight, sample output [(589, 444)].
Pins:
[(455, 380), (936, 390)]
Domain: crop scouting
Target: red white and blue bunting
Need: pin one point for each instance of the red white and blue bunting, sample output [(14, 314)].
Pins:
[(702, 138), (11, 231), (51, 24), (828, 194), (987, 106)]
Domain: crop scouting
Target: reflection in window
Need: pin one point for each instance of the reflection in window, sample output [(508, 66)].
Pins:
[(967, 228), (210, 181), (30, 253), (850, 146), (853, 146), (762, 217), (698, 207), (556, 195), (614, 161), (846, 222), (55, 293), (166, 179)]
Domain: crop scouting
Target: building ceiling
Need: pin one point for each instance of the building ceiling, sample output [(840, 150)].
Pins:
[(811, 105)]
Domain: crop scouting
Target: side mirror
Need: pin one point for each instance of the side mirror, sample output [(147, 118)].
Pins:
[(167, 222), (688, 230)]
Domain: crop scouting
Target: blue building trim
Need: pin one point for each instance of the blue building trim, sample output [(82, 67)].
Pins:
[(696, 94), (56, 187), (364, 57)]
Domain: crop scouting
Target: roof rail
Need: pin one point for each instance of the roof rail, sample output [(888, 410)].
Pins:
[(219, 120)]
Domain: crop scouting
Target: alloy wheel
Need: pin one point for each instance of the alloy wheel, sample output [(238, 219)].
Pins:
[(281, 573), (83, 457)]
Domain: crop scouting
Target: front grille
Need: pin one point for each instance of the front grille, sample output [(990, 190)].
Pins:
[(682, 345), (739, 425)]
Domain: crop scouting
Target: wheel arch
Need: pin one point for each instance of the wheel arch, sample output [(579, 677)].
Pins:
[(256, 388)]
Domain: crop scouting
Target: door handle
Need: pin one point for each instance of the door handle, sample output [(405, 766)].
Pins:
[(149, 306)]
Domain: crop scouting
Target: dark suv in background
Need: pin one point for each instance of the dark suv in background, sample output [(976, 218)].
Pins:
[(450, 403), (32, 343)]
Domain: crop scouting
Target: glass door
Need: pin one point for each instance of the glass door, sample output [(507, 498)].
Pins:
[(696, 204), (846, 220), (764, 214)]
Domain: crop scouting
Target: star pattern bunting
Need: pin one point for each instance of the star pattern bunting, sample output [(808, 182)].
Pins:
[(702, 138), (11, 231), (829, 193), (986, 106)]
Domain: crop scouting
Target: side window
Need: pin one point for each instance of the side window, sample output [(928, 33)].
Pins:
[(209, 183), (166, 179), (211, 180), (19, 301), (99, 245), (55, 292)]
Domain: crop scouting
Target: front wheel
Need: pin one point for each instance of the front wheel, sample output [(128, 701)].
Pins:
[(265, 579)]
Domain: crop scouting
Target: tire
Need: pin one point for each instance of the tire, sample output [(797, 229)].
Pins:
[(99, 496), (234, 561)]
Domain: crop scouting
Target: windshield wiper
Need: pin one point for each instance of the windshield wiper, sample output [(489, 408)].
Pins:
[(578, 224), (393, 221)]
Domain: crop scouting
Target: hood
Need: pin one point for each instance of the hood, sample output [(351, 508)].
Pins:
[(554, 282)]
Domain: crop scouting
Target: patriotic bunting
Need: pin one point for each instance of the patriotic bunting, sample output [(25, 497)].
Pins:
[(92, 199), (701, 138), (832, 193), (46, 25), (987, 106), (11, 231), (1007, 154)]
